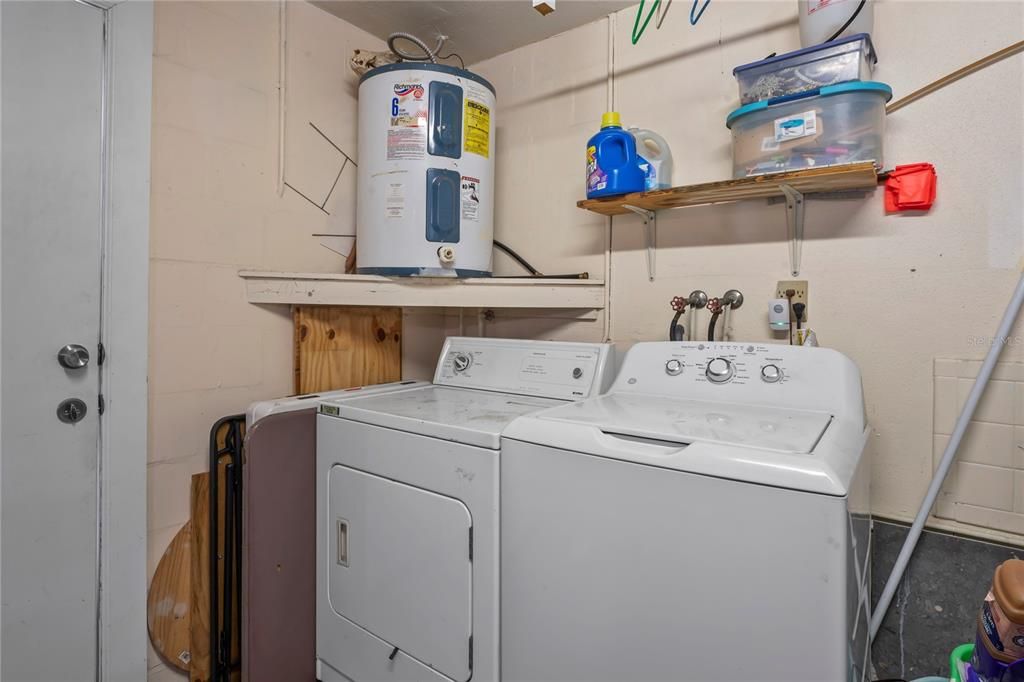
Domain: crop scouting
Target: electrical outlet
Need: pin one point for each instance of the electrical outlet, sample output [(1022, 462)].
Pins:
[(800, 287)]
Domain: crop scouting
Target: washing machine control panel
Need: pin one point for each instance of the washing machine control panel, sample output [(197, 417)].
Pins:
[(722, 363), (752, 373), (553, 369)]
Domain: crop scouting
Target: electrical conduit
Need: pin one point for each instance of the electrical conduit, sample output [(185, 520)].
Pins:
[(948, 456)]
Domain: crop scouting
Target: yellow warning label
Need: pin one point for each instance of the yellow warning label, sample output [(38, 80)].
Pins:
[(478, 128)]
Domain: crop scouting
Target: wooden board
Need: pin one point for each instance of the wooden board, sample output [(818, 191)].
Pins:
[(438, 293), (168, 612), (200, 593), (850, 177), (341, 347)]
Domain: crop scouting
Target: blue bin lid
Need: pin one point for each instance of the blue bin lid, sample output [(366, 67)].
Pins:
[(827, 91), (809, 50)]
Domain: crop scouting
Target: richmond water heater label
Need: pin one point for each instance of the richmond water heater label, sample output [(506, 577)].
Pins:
[(470, 198), (407, 133), (478, 128)]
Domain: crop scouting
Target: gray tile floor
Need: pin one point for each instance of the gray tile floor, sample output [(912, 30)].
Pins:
[(937, 605)]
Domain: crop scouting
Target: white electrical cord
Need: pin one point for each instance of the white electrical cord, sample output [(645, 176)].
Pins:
[(891, 585)]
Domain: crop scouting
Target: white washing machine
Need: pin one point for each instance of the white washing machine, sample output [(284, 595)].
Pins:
[(407, 509), (707, 520)]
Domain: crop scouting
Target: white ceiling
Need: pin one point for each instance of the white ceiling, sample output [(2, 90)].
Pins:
[(476, 29)]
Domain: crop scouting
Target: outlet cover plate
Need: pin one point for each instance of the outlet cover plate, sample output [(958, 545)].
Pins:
[(800, 287)]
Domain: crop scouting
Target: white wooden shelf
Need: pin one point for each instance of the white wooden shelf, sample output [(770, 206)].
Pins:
[(301, 288)]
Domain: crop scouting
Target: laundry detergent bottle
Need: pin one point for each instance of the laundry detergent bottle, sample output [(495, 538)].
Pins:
[(653, 149), (613, 165)]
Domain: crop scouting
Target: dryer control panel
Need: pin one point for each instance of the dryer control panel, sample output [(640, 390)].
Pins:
[(551, 369), (751, 373)]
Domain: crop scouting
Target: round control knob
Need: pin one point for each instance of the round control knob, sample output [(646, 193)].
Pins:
[(577, 373), (461, 362), (771, 374), (673, 368), (719, 371)]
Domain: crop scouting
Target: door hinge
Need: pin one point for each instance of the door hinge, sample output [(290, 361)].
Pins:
[(102, 405), (471, 652), (471, 543), (101, 353)]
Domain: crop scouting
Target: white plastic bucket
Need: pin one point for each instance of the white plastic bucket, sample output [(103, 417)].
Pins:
[(820, 19)]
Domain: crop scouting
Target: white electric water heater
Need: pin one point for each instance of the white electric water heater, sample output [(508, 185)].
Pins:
[(425, 201)]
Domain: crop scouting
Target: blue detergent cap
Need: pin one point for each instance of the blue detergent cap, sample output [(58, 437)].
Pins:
[(852, 86)]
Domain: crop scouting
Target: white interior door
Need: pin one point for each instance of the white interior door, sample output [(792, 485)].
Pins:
[(52, 141)]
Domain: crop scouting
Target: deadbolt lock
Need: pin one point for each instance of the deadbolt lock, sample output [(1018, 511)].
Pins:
[(71, 411)]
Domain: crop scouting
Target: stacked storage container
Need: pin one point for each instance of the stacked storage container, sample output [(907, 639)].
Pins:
[(810, 108)]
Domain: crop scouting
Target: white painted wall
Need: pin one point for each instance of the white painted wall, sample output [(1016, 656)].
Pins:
[(216, 210), (892, 292)]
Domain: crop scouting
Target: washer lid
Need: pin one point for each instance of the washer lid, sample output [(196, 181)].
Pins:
[(458, 414), (691, 421), (797, 449)]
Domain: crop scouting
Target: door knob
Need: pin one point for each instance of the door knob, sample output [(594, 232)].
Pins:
[(73, 356)]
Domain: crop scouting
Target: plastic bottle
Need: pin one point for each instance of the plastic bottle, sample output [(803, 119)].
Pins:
[(999, 644), (613, 165), (820, 19), (653, 149)]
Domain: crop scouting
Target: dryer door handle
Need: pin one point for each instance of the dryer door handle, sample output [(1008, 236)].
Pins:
[(343, 542)]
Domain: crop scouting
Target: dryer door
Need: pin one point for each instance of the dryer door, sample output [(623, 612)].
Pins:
[(400, 567)]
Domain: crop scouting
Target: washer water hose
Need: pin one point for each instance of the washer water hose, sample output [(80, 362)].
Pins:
[(676, 331), (428, 54), (995, 348)]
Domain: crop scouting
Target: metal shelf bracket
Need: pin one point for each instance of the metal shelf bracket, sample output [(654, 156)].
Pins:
[(794, 226), (650, 219)]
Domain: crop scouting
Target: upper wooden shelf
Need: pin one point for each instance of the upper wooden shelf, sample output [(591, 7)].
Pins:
[(859, 176), (301, 288)]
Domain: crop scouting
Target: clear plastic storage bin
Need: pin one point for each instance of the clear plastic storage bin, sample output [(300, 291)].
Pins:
[(839, 124), (847, 59)]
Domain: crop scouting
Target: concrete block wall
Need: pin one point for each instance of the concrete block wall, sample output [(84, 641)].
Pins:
[(216, 209), (986, 485), (893, 292)]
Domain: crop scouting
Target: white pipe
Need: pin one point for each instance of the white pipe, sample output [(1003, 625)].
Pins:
[(282, 66), (948, 456), (609, 106)]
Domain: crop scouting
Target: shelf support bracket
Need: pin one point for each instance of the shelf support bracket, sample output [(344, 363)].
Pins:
[(794, 226), (650, 219)]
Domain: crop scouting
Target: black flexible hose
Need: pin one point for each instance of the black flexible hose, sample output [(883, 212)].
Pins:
[(711, 326), (517, 258), (575, 275), (534, 272), (676, 330), (849, 21)]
